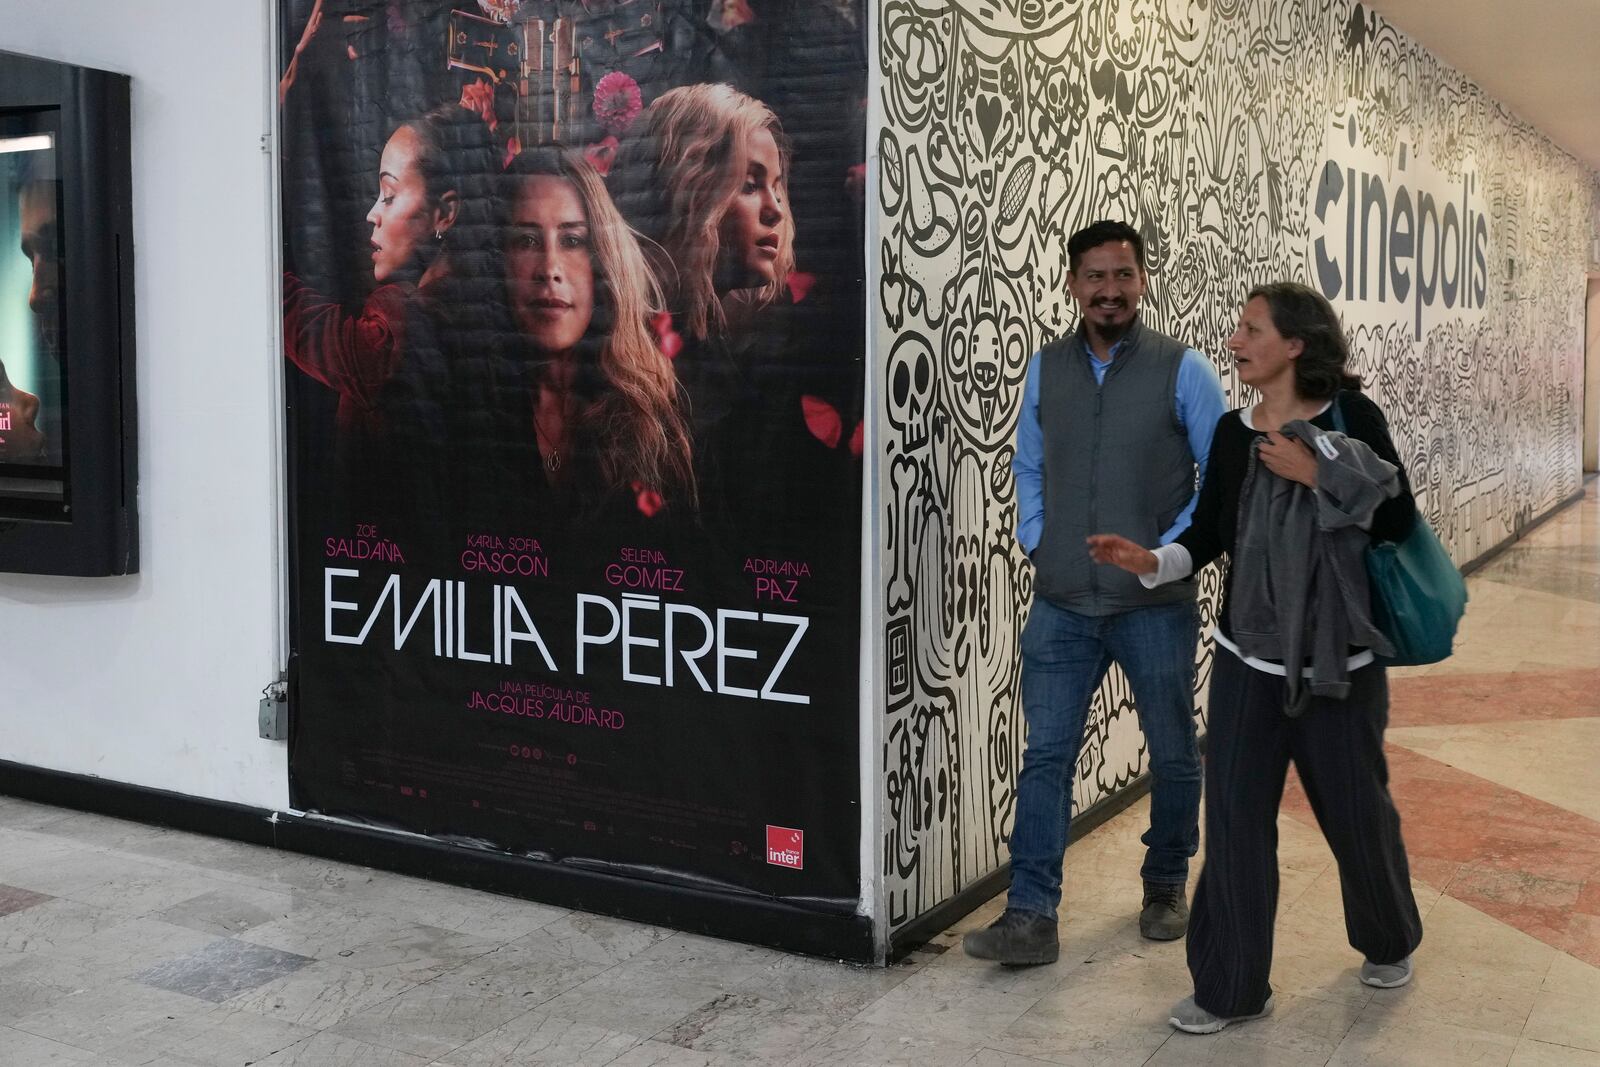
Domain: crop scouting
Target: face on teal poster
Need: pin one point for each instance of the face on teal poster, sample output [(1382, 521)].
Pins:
[(32, 386)]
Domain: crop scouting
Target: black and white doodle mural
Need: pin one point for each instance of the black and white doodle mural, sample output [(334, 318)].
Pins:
[(1248, 140)]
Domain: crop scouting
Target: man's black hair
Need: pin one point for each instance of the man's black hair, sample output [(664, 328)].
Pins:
[(1102, 233)]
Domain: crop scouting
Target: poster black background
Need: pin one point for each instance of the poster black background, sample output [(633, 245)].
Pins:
[(685, 789)]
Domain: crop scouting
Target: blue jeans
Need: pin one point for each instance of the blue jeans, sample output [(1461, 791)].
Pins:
[(1065, 656)]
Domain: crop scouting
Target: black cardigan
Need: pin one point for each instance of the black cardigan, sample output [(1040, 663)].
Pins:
[(1216, 514)]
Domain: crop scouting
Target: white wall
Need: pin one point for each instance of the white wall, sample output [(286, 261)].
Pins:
[(154, 679)]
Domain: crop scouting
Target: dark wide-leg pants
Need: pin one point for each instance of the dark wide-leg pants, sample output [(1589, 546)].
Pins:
[(1337, 748)]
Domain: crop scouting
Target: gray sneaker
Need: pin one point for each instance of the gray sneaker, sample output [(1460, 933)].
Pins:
[(1164, 916), (1016, 939), (1386, 975), (1191, 1018)]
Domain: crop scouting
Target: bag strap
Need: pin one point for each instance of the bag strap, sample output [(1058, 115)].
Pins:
[(1338, 413)]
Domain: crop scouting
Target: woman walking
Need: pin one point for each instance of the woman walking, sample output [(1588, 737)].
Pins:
[(1297, 486)]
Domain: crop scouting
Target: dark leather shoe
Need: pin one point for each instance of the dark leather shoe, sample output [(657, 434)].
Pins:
[(1016, 939), (1165, 913)]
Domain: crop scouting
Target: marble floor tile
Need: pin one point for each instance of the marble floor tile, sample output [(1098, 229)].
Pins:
[(117, 883), (132, 945), (749, 1029), (1549, 761), (1379, 1041), (1091, 1022), (1300, 1030), (21, 1049), (231, 909), (107, 1015), (621, 999), (209, 1039), (990, 1057), (26, 991), (538, 1039), (53, 925), (1573, 977), (659, 1054), (320, 995), (28, 854), (13, 899), (532, 975), (836, 991), (377, 943), (447, 907), (704, 959), (1531, 1053), (433, 1019), (931, 1003), (221, 970), (596, 938), (331, 1050), (870, 1044), (1562, 1019), (1459, 937), (103, 831), (1535, 691), (19, 814)]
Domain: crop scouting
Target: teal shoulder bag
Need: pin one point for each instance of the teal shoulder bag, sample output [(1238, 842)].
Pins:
[(1418, 595)]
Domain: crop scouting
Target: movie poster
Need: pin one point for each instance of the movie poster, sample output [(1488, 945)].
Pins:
[(32, 381), (573, 317)]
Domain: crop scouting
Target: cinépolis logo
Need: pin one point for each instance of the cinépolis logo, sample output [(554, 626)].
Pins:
[(1391, 235)]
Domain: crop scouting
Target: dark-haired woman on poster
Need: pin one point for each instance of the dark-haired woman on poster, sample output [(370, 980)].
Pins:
[(1293, 501), (435, 264), (703, 176), (579, 414)]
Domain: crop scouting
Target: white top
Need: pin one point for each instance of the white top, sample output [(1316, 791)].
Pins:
[(1174, 562)]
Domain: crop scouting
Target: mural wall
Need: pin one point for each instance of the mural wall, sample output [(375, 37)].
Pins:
[(1248, 140)]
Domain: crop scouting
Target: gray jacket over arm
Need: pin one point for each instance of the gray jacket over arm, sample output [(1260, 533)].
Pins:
[(1299, 573)]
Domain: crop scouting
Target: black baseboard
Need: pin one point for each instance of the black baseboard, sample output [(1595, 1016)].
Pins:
[(759, 920), (918, 931)]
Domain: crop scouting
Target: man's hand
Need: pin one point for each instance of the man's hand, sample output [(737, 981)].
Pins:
[(1289, 459), (1121, 552)]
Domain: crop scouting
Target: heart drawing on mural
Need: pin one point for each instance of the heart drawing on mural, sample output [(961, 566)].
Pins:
[(988, 111)]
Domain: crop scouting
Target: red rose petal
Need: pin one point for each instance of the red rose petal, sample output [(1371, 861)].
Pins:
[(800, 284), (648, 500), (856, 438), (822, 420)]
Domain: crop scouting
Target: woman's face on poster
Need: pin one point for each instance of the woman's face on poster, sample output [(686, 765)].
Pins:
[(750, 235), (550, 264), (403, 219)]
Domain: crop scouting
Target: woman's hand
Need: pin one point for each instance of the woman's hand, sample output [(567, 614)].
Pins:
[(1121, 552), (312, 25), (1289, 459)]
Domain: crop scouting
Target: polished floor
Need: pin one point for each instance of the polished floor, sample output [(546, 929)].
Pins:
[(123, 944)]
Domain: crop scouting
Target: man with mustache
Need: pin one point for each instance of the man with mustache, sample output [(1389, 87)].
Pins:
[(1114, 434)]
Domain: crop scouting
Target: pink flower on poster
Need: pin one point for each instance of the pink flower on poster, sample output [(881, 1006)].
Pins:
[(617, 101), (478, 98)]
